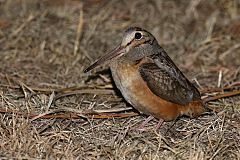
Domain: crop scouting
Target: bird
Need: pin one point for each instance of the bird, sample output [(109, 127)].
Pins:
[(149, 80)]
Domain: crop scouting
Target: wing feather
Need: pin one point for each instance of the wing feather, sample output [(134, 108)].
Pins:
[(167, 81)]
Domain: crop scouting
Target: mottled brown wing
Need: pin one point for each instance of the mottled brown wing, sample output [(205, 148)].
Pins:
[(169, 84)]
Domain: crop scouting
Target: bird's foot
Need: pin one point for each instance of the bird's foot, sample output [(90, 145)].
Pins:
[(142, 127)]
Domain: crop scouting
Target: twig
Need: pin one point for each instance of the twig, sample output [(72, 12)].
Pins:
[(229, 51), (48, 113), (85, 91), (219, 78), (230, 94), (114, 115), (51, 98), (209, 90), (113, 110), (24, 85), (63, 90), (79, 32), (22, 26), (75, 115)]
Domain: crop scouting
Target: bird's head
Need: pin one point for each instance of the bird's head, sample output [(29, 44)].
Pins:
[(136, 44)]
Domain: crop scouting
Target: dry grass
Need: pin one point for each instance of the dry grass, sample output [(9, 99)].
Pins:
[(45, 45)]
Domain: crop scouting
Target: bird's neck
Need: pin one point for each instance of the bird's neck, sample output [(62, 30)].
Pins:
[(123, 61)]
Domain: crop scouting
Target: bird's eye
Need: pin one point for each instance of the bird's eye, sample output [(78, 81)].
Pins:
[(138, 35)]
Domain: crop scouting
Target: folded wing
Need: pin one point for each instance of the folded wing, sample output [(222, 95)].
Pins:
[(167, 81)]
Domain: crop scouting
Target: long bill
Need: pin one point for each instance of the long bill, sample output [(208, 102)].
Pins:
[(116, 52)]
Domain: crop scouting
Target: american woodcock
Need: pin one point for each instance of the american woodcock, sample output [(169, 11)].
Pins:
[(149, 80)]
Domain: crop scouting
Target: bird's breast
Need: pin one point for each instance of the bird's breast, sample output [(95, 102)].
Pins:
[(135, 90)]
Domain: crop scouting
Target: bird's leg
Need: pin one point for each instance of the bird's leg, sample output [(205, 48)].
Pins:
[(174, 122), (160, 122), (141, 126)]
